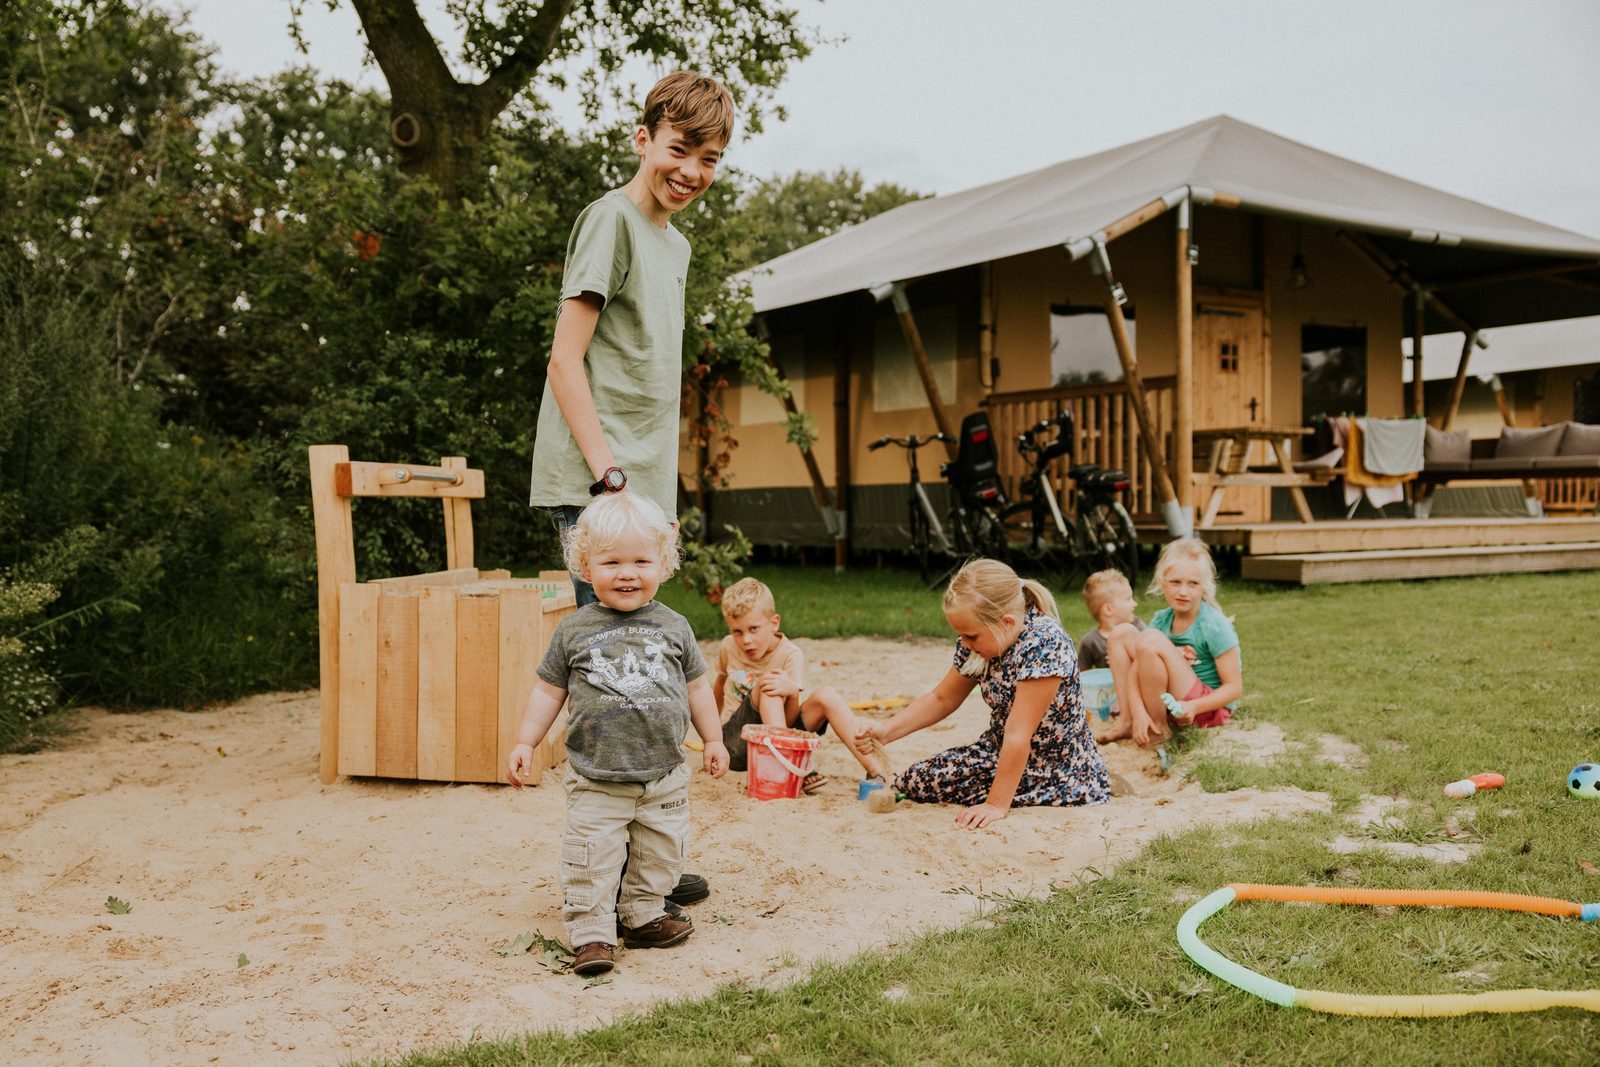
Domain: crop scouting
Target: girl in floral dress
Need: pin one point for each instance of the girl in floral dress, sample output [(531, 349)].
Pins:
[(1037, 749)]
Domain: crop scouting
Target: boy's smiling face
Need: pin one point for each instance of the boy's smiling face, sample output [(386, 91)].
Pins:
[(755, 632), (672, 171)]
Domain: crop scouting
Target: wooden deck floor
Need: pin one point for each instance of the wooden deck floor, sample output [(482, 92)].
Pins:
[(1395, 549)]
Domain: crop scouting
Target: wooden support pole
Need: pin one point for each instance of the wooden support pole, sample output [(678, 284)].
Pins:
[(1459, 386), (1419, 312), (841, 438), (908, 326), (336, 565), (1500, 400), (1112, 302), (1519, 274), (1183, 399)]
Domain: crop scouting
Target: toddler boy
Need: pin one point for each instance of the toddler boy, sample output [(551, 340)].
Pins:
[(630, 673)]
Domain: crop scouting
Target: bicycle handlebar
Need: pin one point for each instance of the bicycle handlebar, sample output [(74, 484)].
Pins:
[(911, 441)]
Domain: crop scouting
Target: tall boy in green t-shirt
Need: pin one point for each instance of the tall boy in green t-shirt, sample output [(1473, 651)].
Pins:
[(608, 421), (609, 418)]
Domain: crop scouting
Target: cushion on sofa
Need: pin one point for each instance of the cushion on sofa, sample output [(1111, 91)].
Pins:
[(1446, 446), (1580, 439), (1526, 444)]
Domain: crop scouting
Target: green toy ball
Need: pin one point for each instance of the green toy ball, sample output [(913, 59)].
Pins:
[(1584, 781)]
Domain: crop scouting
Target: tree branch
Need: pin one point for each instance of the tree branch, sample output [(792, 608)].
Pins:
[(496, 91)]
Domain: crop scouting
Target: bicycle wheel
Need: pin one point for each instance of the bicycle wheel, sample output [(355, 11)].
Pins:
[(917, 524), (1106, 539)]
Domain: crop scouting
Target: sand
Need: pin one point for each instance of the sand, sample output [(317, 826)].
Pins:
[(273, 916)]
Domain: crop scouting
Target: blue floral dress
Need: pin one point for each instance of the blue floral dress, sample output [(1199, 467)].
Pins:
[(1064, 767)]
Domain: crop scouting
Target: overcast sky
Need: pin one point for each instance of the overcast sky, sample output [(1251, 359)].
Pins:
[(1490, 99)]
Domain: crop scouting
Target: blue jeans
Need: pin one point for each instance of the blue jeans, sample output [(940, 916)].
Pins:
[(566, 517)]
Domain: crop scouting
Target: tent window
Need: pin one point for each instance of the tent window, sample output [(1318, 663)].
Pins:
[(1081, 349), (896, 385)]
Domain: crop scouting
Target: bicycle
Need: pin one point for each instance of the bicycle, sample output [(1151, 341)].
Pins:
[(1048, 527), (922, 519), (978, 503), (1101, 534)]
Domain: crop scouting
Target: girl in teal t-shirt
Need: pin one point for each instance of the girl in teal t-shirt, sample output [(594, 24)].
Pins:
[(1185, 669)]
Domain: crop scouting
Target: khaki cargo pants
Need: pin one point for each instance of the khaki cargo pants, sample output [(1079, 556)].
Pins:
[(646, 825)]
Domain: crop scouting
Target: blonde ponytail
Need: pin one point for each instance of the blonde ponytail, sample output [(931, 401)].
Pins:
[(989, 590)]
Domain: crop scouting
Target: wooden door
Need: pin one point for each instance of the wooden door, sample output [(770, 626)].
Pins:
[(1231, 385)]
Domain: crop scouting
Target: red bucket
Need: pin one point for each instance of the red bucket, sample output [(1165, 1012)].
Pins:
[(780, 758)]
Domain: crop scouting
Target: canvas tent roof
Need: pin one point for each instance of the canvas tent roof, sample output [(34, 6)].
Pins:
[(1439, 235), (1567, 343)]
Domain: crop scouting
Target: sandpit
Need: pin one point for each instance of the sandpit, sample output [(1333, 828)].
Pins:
[(276, 917)]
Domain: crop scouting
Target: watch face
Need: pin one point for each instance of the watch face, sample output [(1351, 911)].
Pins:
[(615, 479)]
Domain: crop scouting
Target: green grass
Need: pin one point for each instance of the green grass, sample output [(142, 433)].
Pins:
[(1434, 680), (816, 602)]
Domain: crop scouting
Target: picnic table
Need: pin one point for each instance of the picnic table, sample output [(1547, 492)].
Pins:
[(1230, 465)]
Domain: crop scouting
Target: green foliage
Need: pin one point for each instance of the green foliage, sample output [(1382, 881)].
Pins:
[(200, 278), (117, 906), (708, 567)]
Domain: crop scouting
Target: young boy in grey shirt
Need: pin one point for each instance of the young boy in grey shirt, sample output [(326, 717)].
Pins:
[(632, 678)]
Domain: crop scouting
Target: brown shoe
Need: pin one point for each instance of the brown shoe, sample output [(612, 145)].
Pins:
[(594, 958), (657, 933)]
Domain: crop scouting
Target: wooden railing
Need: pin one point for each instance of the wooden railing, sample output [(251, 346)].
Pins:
[(1568, 494), (1105, 432)]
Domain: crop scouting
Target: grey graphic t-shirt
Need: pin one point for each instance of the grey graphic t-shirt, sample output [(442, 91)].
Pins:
[(626, 674)]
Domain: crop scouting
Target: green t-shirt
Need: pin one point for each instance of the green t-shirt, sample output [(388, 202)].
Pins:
[(1210, 636), (626, 674), (634, 364)]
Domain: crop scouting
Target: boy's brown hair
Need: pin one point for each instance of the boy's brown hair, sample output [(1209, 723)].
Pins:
[(1100, 588), (700, 107), (747, 595)]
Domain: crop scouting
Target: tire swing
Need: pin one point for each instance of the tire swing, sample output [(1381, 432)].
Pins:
[(1396, 1006)]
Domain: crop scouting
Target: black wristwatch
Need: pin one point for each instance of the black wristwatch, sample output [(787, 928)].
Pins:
[(612, 481)]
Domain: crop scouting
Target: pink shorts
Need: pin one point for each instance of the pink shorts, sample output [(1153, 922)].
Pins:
[(1207, 719)]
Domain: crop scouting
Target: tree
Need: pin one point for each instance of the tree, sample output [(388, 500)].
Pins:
[(779, 215), (438, 123)]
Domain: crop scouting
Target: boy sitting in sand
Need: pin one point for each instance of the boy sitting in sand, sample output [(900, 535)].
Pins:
[(760, 674), (1111, 602)]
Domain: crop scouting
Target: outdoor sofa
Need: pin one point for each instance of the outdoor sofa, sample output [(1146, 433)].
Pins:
[(1565, 450)]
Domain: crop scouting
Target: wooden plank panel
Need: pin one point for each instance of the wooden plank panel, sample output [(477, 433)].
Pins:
[(477, 688), (521, 648), (1330, 567), (336, 564), (554, 749), (1375, 534), (457, 520), (396, 749), (436, 684), (410, 583), (358, 478), (358, 678)]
